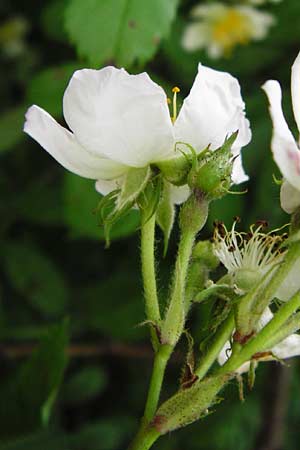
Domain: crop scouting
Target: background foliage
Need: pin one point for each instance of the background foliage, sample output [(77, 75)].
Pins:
[(74, 364)]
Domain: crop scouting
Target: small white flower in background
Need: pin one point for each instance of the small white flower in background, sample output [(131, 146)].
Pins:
[(261, 2), (247, 256), (219, 28), (120, 121), (287, 348), (284, 146)]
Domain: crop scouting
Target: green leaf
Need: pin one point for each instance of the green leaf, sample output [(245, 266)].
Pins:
[(27, 399), (115, 318), (36, 277), (52, 19), (46, 89), (11, 127), (80, 203), (121, 31), (85, 384), (165, 215)]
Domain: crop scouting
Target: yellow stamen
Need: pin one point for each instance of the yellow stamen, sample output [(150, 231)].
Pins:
[(175, 91)]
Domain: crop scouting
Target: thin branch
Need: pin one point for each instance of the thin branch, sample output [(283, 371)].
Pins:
[(85, 350), (81, 350)]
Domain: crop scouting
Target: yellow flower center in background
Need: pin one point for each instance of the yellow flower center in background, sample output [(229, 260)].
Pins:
[(230, 29)]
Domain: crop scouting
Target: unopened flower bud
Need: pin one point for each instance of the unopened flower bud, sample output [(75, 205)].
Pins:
[(212, 174), (204, 252)]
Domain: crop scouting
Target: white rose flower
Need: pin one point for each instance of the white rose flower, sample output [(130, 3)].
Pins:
[(284, 146), (120, 121), (219, 28)]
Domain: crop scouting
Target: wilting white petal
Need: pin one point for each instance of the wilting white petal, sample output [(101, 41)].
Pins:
[(284, 147), (238, 174), (64, 147), (295, 87), (124, 117), (289, 197), (213, 110), (288, 348), (291, 284)]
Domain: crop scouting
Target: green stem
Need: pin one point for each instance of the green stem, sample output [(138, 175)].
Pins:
[(174, 320), (144, 439), (262, 341), (222, 335), (148, 269), (277, 279), (160, 362)]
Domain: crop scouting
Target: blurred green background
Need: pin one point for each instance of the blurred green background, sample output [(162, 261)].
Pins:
[(74, 363)]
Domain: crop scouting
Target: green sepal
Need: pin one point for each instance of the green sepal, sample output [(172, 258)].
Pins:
[(190, 404), (204, 253), (213, 290), (165, 214), (175, 170), (247, 311), (251, 374), (149, 198), (188, 376), (119, 202), (134, 182)]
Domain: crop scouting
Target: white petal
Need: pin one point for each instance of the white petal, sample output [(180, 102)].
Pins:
[(104, 187), (225, 354), (179, 194), (295, 87), (213, 110), (285, 151), (238, 174), (62, 145), (289, 197), (125, 117), (291, 283), (267, 315), (288, 348)]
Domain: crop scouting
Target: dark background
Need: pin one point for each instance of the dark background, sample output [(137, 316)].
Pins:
[(58, 285)]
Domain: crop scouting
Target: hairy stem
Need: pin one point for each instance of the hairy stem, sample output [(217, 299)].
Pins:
[(148, 273), (159, 366), (144, 439)]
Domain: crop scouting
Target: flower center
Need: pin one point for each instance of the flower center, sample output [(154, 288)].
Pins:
[(231, 29), (247, 252)]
